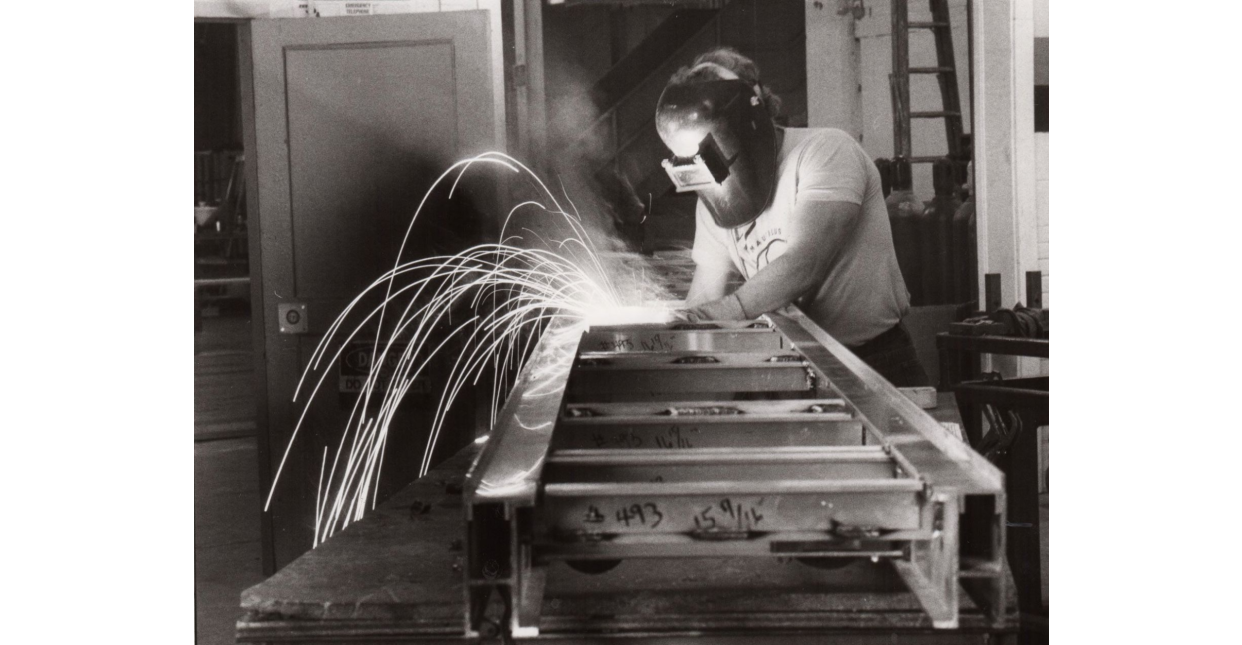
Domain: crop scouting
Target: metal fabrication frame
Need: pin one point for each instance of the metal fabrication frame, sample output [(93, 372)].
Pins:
[(763, 439)]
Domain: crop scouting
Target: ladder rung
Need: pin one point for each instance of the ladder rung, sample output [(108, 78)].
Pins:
[(927, 25), (932, 70), (933, 115)]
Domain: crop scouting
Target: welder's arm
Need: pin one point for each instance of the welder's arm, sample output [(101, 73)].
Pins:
[(711, 282), (815, 240)]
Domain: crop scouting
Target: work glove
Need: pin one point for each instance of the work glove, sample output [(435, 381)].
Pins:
[(726, 308)]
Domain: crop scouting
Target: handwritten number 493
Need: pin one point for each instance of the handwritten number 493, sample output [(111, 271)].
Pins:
[(642, 514)]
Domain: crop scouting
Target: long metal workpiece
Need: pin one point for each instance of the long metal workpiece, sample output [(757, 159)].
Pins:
[(765, 439), (732, 337), (691, 424), (650, 376), (960, 481), (500, 488)]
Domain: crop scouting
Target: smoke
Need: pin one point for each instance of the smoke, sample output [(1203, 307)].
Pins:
[(582, 169), (583, 149)]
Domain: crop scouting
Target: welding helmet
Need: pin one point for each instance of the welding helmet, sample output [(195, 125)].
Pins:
[(724, 147)]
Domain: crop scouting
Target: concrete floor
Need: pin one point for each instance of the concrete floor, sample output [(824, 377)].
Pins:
[(227, 499), (227, 502)]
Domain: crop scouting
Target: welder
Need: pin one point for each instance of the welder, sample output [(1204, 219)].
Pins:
[(797, 214)]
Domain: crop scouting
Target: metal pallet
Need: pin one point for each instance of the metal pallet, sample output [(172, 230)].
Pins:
[(765, 439)]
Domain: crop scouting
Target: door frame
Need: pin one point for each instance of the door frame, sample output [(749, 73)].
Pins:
[(274, 194)]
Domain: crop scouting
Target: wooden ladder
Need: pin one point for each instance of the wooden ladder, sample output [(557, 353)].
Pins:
[(946, 74)]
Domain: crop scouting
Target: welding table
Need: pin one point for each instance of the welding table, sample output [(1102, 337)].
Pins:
[(395, 577)]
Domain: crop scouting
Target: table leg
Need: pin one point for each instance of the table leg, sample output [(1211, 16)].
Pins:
[(1021, 466)]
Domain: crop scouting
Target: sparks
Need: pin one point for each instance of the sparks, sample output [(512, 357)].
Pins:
[(479, 312)]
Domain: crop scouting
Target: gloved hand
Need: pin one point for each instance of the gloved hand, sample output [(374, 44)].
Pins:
[(726, 308)]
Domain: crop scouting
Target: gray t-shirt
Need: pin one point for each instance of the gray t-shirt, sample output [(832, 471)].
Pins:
[(863, 295)]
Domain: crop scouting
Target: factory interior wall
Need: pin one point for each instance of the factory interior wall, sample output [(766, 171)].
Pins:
[(577, 45), (1041, 207), (1009, 162), (1011, 159), (576, 53), (1041, 137)]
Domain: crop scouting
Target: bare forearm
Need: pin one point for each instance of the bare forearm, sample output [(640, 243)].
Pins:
[(783, 281), (777, 285), (816, 239), (709, 283)]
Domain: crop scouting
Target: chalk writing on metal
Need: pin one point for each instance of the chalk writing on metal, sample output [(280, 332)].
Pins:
[(641, 514), (729, 514)]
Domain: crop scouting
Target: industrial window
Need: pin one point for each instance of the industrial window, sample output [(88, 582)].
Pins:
[(1041, 84)]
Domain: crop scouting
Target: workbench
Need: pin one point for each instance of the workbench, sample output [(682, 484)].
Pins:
[(395, 576)]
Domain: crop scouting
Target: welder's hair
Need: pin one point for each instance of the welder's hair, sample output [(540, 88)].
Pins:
[(732, 60)]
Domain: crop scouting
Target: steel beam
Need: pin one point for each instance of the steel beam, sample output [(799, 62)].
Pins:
[(731, 510), (708, 424), (500, 488), (659, 339), (717, 464), (651, 375)]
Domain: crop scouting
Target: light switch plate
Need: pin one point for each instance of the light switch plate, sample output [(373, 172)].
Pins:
[(292, 316)]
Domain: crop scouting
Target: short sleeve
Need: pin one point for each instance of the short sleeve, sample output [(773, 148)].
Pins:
[(709, 243), (832, 168)]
